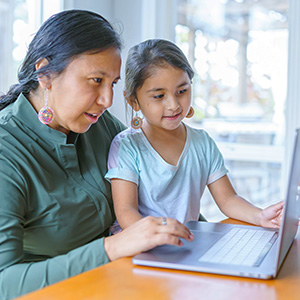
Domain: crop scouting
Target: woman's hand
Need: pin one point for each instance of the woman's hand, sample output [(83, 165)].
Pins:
[(145, 234), (271, 216)]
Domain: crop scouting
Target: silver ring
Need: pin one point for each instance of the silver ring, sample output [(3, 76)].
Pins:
[(164, 221)]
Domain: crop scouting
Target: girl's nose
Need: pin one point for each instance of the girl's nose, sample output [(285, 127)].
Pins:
[(172, 103)]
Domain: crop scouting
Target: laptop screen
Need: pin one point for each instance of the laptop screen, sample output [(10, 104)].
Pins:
[(290, 218)]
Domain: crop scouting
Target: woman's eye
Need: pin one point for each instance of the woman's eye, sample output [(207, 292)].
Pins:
[(97, 80)]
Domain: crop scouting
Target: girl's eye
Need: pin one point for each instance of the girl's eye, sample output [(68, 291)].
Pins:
[(182, 91), (158, 96)]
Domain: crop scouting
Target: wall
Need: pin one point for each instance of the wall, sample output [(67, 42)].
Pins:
[(137, 20)]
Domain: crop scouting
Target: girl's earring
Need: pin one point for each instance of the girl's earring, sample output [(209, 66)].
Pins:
[(190, 113), (136, 122), (46, 114)]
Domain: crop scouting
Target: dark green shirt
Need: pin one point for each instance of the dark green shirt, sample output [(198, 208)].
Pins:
[(55, 205)]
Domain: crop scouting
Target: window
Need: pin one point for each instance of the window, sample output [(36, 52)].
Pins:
[(19, 20), (5, 45), (238, 49)]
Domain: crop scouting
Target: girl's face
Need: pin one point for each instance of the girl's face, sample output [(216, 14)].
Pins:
[(165, 97), (84, 90)]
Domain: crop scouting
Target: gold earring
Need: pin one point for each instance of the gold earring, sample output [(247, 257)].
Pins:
[(46, 114), (190, 113)]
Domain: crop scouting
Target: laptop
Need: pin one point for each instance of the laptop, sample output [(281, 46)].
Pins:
[(231, 249)]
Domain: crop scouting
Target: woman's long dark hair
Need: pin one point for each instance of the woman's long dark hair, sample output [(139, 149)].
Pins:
[(59, 39)]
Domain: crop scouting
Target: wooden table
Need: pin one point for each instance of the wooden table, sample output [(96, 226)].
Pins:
[(123, 280)]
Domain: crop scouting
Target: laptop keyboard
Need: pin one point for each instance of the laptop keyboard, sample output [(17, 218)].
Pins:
[(241, 246)]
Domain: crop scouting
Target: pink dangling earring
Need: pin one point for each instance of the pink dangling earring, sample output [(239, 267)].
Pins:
[(136, 122), (190, 113), (46, 114)]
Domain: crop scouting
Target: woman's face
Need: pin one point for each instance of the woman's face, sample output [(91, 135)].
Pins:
[(84, 90)]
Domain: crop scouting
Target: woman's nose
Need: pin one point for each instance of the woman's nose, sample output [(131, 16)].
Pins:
[(105, 97)]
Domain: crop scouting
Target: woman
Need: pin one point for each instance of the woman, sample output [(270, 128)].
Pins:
[(55, 134)]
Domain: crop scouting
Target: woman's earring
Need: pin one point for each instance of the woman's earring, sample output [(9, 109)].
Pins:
[(190, 113), (46, 114), (136, 122)]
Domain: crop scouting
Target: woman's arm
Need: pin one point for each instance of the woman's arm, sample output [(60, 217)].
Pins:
[(20, 274), (20, 278), (235, 206), (125, 199)]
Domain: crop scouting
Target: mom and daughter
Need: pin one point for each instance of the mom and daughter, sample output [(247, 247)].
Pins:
[(69, 167)]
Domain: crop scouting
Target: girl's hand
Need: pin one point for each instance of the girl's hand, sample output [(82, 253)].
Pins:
[(145, 234), (271, 216)]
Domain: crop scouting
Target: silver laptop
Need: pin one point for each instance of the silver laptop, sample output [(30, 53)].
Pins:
[(231, 249)]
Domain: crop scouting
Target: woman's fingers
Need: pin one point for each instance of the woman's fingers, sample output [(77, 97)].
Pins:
[(169, 239), (145, 234), (171, 226)]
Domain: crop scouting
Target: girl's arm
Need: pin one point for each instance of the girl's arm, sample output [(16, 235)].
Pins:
[(125, 198), (235, 206)]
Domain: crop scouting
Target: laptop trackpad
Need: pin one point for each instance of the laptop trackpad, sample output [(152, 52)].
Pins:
[(202, 241)]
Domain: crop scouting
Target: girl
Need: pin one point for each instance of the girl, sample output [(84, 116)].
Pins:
[(161, 166)]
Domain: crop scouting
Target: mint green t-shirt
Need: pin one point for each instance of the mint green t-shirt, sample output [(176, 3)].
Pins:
[(55, 205), (165, 189)]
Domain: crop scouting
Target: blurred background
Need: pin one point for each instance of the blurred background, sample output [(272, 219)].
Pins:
[(246, 57)]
